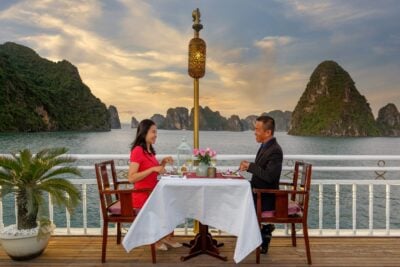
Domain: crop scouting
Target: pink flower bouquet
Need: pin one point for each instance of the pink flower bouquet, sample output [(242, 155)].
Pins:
[(204, 155)]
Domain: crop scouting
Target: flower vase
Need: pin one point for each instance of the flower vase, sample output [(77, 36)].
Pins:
[(201, 169)]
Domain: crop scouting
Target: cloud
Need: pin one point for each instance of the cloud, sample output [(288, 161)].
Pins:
[(254, 83), (330, 13), (71, 11), (272, 42), (379, 84), (167, 75)]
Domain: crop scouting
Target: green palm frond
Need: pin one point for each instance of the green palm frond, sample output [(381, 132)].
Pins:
[(54, 162), (9, 171), (25, 159), (58, 188), (10, 164), (6, 177), (46, 162), (61, 171), (61, 160), (51, 153)]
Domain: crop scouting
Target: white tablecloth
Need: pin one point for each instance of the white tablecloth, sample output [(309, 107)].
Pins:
[(225, 204)]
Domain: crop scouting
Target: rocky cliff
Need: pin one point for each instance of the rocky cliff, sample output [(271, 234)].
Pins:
[(235, 124), (332, 106), (389, 120), (159, 120), (114, 117), (134, 122), (282, 119), (209, 120), (40, 95), (177, 119)]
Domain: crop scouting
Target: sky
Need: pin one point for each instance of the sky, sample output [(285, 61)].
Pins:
[(260, 53)]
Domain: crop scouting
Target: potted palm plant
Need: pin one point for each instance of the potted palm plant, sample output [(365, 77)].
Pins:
[(29, 177)]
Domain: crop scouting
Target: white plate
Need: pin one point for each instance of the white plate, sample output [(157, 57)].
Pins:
[(173, 176), (231, 175)]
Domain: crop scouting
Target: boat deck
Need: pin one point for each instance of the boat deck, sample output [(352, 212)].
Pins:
[(325, 251)]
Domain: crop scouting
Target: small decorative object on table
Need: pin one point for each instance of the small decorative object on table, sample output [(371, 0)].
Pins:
[(211, 172), (204, 157), (184, 156)]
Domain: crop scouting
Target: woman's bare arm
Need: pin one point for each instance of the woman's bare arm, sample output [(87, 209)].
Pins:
[(134, 175)]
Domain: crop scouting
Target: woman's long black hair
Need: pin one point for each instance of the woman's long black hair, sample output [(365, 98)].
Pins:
[(140, 140)]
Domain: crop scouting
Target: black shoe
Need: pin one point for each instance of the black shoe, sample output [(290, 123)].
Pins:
[(266, 234), (265, 244)]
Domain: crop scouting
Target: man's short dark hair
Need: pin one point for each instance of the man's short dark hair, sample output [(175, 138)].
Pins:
[(268, 123)]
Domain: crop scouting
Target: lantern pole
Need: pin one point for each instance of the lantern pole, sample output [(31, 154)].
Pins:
[(197, 60), (196, 113)]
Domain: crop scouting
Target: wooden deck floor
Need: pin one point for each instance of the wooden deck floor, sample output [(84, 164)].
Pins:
[(326, 251)]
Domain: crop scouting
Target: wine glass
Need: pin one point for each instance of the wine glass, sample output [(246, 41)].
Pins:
[(213, 162), (189, 164)]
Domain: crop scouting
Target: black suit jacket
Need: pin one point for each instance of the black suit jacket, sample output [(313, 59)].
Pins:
[(266, 171)]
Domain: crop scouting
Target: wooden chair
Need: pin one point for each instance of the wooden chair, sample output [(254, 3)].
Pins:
[(116, 204), (291, 206)]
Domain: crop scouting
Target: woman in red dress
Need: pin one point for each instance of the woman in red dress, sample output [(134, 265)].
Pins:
[(144, 169)]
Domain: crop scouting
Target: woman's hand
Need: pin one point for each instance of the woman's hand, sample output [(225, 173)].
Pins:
[(159, 169), (167, 160)]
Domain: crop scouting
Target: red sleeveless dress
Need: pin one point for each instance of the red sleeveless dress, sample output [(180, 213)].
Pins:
[(145, 161)]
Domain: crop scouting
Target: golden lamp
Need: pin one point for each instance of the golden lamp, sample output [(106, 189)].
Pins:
[(196, 69)]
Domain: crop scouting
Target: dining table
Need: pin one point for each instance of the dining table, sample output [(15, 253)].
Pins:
[(224, 202)]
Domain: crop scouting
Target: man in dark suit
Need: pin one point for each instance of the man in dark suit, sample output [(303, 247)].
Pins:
[(266, 170)]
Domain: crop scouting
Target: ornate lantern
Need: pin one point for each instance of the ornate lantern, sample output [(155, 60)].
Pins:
[(197, 58)]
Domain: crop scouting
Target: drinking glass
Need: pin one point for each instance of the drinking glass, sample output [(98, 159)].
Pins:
[(189, 164)]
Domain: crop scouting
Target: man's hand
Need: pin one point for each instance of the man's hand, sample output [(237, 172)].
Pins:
[(244, 165)]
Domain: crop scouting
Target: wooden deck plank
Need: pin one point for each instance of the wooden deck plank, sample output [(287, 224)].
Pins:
[(326, 251)]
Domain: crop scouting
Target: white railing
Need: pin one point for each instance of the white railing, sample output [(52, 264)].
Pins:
[(323, 190)]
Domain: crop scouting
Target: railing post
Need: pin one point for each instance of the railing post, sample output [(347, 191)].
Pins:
[(371, 209), (101, 219), (286, 226), (337, 208), (354, 191), (387, 209), (16, 210), (1, 212), (321, 207), (51, 211), (84, 208), (68, 216)]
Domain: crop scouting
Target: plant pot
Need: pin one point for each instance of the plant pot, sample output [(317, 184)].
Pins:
[(202, 169), (24, 244)]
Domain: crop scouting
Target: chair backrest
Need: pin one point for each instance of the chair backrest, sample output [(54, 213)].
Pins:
[(301, 170), (302, 182), (103, 172)]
